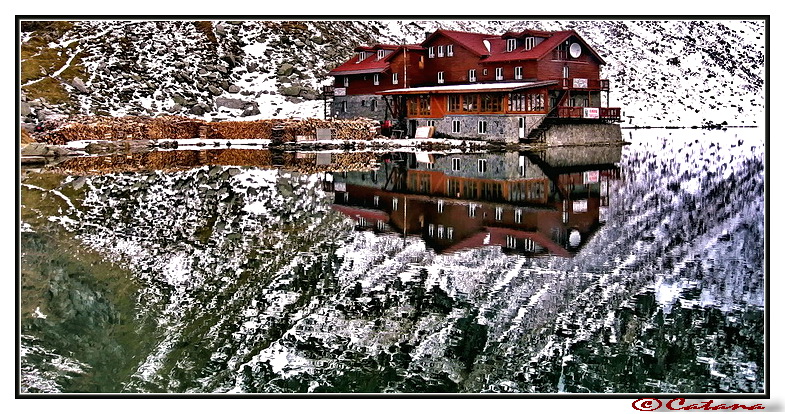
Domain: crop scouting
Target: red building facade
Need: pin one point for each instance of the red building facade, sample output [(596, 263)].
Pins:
[(474, 85)]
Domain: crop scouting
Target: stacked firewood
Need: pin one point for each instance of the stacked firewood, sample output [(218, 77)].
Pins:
[(175, 127), (240, 129)]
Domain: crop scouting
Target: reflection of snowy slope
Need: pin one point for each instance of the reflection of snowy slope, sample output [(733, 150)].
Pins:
[(257, 286)]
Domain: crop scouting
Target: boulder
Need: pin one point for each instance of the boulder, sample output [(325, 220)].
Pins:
[(291, 91), (285, 69), (79, 85), (231, 103), (234, 89)]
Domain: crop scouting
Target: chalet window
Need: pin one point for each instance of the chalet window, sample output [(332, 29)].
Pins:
[(518, 215), (375, 78), (511, 242), (518, 72), (472, 209), (499, 74), (380, 225), (449, 50), (529, 43), (380, 54), (418, 105), (430, 122), (450, 231), (472, 75), (490, 103), (585, 101), (482, 164), (440, 51), (440, 206), (482, 128), (532, 102), (485, 72), (440, 77), (376, 200), (361, 57), (395, 204), (499, 213), (456, 129), (440, 231), (469, 103), (430, 52), (430, 229), (346, 197), (454, 103), (345, 81), (572, 102), (394, 78), (566, 72), (511, 44), (456, 162)]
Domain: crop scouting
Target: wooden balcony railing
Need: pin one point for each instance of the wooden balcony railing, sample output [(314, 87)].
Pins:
[(585, 84), (580, 112)]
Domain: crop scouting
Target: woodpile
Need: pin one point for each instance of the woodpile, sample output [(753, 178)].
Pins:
[(78, 128)]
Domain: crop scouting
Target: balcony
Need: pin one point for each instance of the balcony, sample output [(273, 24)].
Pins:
[(585, 84), (580, 112)]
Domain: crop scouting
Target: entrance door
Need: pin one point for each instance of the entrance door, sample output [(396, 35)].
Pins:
[(521, 128)]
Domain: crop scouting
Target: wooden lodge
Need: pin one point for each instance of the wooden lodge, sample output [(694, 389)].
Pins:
[(474, 85)]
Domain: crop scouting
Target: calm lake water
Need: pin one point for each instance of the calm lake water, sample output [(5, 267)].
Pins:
[(629, 269)]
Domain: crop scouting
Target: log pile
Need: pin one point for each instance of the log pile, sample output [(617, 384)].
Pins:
[(78, 128)]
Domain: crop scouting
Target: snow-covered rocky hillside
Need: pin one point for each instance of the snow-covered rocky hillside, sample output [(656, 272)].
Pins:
[(663, 73)]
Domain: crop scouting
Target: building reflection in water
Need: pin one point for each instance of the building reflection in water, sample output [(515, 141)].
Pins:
[(532, 203)]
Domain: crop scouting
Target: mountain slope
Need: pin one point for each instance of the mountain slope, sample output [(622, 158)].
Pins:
[(680, 73)]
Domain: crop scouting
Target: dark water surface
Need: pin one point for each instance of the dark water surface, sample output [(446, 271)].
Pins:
[(589, 269)]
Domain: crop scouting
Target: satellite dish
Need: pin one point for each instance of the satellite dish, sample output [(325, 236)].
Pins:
[(575, 50)]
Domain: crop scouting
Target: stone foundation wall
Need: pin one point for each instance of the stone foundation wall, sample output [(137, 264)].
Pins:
[(582, 134), (359, 106), (498, 127)]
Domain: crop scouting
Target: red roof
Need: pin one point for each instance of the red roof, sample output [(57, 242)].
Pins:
[(371, 64), (500, 54), (471, 41)]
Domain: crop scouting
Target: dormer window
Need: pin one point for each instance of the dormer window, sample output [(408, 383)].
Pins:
[(380, 54), (529, 43), (361, 56), (511, 44)]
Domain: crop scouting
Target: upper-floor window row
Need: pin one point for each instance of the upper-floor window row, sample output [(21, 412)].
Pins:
[(440, 51)]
